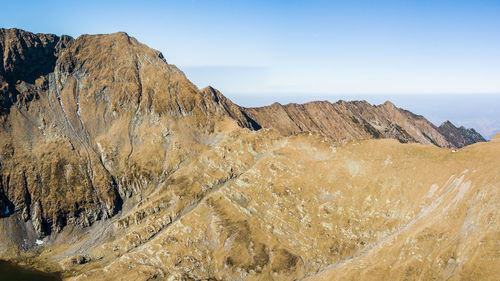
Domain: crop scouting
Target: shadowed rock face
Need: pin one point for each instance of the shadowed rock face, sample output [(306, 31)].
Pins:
[(24, 58), (346, 121), (127, 171), (459, 137)]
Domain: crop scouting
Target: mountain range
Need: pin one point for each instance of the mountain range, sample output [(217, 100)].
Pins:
[(343, 121), (114, 166)]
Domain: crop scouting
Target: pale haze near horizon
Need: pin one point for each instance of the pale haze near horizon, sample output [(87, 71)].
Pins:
[(309, 49)]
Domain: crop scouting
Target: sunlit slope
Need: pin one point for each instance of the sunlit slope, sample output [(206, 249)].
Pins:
[(304, 207), (454, 237)]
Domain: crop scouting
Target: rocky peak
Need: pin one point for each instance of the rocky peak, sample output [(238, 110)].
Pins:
[(461, 136), (211, 93), (389, 104), (87, 123), (226, 107), (25, 57)]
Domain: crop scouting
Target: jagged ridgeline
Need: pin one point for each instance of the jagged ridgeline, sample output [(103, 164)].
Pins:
[(343, 120), (113, 165), (86, 123)]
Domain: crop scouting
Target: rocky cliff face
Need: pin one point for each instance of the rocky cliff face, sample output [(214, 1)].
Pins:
[(125, 170), (347, 121), (87, 123), (459, 137), (24, 58)]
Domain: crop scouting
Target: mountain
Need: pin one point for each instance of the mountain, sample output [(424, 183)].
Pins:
[(343, 120), (88, 125), (227, 107), (20, 50), (114, 166), (459, 137)]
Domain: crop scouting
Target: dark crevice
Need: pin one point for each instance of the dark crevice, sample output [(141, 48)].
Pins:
[(370, 129), (6, 206), (254, 125)]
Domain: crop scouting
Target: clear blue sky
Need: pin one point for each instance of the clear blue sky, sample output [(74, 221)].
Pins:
[(306, 47)]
